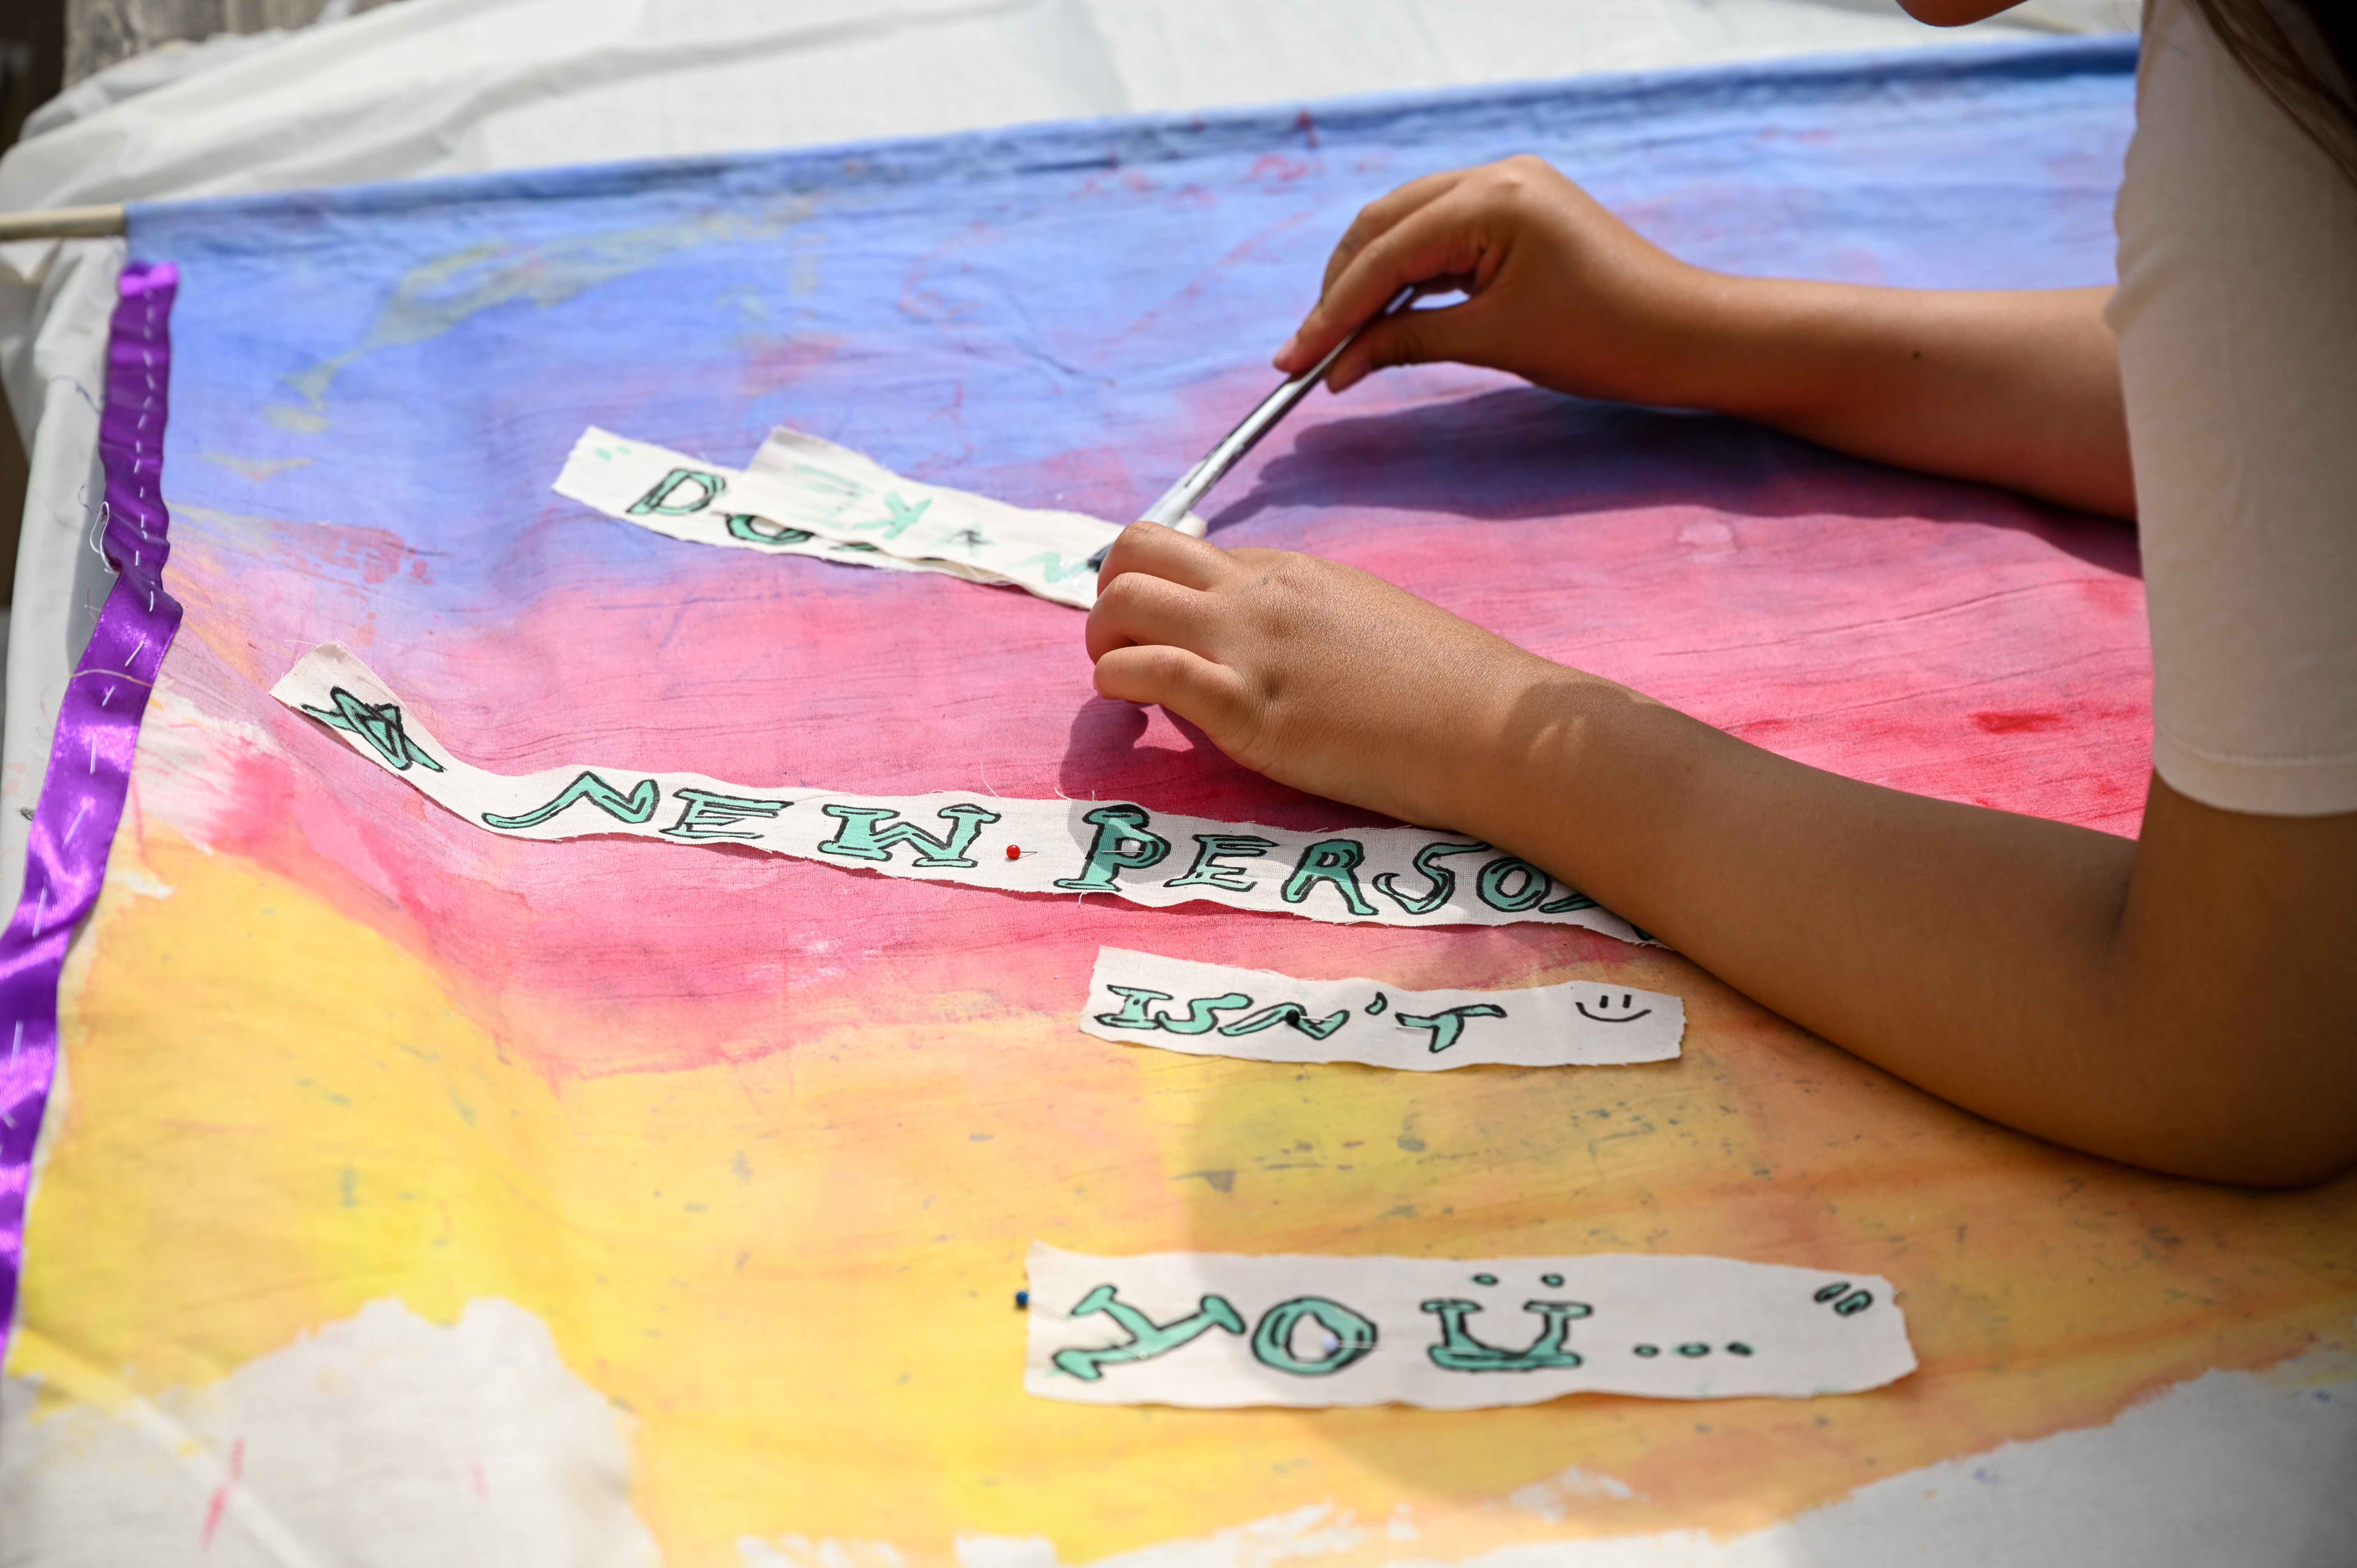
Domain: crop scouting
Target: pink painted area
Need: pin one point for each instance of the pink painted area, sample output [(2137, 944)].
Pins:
[(1943, 638), (220, 1503)]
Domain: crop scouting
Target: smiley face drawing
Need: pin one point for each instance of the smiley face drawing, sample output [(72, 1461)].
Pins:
[(1607, 1013)]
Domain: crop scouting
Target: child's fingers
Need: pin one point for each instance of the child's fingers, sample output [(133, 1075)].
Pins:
[(1413, 338), (1160, 552), (1447, 238), (1383, 214), (1138, 608), (1339, 310), (1210, 695)]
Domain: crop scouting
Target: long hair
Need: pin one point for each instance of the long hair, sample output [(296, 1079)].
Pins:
[(2278, 44)]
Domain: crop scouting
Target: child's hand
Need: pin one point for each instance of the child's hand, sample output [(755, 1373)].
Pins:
[(1316, 673), (2019, 388), (1563, 293), (2184, 1001)]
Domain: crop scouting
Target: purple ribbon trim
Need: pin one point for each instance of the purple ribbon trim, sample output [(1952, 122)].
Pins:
[(98, 735)]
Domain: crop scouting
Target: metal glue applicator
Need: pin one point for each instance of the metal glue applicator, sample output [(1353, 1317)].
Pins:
[(1177, 506)]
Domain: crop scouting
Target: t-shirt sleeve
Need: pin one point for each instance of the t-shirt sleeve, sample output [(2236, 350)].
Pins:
[(2237, 324)]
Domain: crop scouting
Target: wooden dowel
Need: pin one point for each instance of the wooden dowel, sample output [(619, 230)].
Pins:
[(62, 223)]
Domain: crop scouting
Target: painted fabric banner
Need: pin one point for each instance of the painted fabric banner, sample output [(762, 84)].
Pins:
[(1218, 1010), (612, 1200), (1212, 1332)]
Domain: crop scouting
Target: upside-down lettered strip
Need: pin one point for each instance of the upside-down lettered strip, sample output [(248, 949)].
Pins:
[(805, 496), (1213, 1010), (1214, 1330), (1392, 876)]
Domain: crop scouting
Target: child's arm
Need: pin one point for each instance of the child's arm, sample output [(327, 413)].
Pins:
[(2019, 389), (2188, 1003)]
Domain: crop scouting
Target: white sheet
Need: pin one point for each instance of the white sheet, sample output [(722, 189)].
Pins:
[(2222, 1467)]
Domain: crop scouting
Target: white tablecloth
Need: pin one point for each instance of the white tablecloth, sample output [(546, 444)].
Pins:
[(2230, 1469)]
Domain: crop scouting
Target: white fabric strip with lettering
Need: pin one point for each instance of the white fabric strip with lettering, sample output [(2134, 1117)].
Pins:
[(1393, 876), (805, 496), (1214, 1330), (1213, 1010)]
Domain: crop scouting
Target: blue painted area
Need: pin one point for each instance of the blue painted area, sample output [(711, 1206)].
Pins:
[(1066, 312)]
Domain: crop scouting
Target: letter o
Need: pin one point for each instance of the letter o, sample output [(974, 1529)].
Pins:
[(1272, 1341), (1492, 884)]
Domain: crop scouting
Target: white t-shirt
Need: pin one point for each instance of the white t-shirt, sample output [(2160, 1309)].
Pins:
[(2237, 323)]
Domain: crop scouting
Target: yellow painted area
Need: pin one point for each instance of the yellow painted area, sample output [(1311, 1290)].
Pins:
[(796, 1273)]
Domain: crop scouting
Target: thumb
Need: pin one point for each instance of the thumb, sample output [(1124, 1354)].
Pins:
[(1410, 337)]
